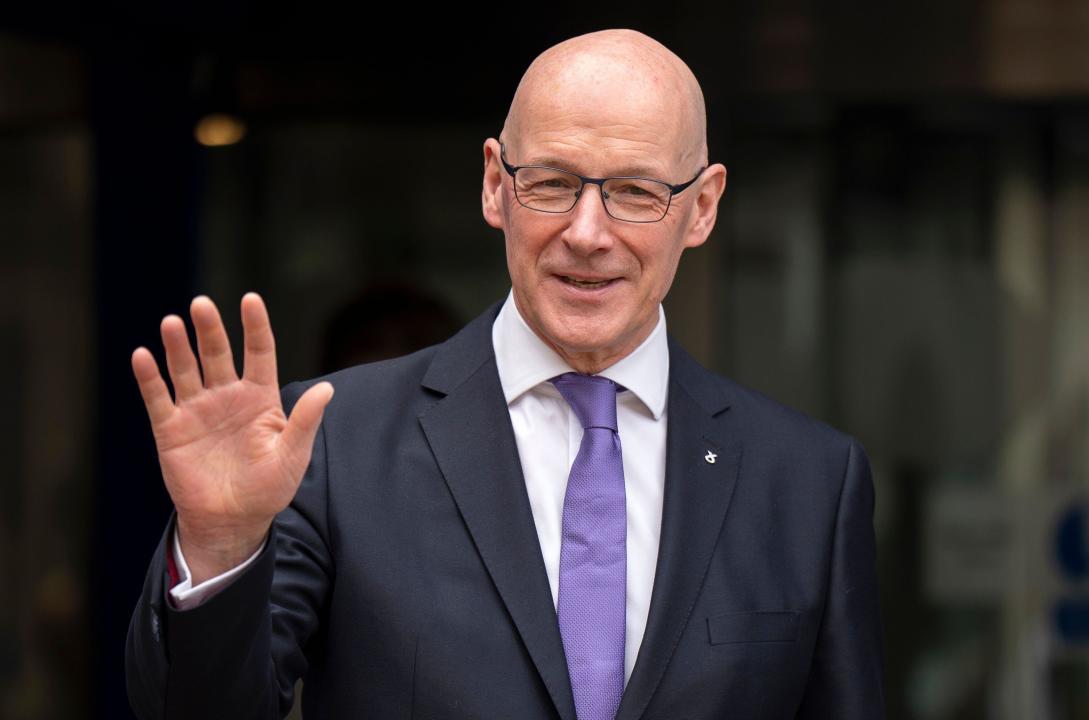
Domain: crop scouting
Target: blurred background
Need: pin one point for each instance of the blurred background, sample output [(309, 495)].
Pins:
[(902, 252)]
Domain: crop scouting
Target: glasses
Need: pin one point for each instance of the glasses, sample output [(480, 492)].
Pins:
[(631, 199)]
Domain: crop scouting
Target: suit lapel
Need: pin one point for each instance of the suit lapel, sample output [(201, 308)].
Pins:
[(470, 434), (701, 470)]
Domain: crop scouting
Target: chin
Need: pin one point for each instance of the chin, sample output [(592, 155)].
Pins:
[(575, 335)]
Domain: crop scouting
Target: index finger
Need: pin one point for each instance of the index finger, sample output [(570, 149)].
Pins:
[(152, 386), (259, 361)]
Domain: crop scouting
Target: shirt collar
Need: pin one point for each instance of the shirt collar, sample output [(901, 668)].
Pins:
[(524, 360)]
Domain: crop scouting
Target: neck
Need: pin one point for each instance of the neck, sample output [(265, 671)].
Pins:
[(590, 363)]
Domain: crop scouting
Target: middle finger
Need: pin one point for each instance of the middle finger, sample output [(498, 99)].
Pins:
[(216, 359)]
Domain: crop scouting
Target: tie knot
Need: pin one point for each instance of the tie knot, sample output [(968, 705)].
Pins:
[(593, 398)]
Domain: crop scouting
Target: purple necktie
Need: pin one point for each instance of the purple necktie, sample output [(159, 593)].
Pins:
[(593, 552)]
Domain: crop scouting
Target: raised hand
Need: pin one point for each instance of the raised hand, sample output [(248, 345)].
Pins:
[(230, 458)]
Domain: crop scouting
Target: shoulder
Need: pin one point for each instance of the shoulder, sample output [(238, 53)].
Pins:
[(383, 377), (767, 414), (407, 382), (761, 421), (790, 462), (397, 377)]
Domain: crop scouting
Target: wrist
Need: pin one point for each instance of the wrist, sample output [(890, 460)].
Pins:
[(210, 552)]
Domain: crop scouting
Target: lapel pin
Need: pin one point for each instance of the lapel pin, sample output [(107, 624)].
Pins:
[(710, 457)]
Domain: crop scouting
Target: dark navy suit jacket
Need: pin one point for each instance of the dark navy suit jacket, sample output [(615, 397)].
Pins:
[(406, 579)]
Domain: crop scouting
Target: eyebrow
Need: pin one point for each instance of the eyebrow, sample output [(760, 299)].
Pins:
[(624, 171)]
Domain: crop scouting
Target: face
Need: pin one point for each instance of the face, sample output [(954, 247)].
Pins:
[(590, 285)]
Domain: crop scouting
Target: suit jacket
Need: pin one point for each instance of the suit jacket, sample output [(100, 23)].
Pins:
[(406, 579)]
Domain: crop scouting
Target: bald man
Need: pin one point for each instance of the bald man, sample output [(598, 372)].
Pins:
[(555, 514)]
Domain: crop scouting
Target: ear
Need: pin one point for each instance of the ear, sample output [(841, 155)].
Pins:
[(709, 188), (491, 196)]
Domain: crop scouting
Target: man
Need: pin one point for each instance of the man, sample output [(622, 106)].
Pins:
[(556, 513)]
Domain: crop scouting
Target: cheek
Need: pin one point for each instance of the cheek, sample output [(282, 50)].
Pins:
[(658, 258), (527, 243), (522, 262), (662, 267)]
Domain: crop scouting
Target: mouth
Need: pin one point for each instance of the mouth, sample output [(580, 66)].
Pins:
[(585, 283)]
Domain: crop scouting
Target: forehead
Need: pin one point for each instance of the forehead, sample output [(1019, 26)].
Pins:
[(612, 118)]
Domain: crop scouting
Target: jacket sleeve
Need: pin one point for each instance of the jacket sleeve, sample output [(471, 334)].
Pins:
[(238, 654), (183, 594), (846, 677)]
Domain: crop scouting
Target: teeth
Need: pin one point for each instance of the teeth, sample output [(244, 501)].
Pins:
[(585, 283)]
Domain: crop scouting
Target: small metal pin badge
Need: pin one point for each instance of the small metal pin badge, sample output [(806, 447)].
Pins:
[(710, 457)]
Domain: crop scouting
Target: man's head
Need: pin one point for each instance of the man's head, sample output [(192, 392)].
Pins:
[(611, 103)]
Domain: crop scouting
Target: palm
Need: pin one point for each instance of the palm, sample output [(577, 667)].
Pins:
[(220, 453), (230, 457)]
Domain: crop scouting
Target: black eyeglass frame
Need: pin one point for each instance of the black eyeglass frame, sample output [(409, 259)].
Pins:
[(600, 182)]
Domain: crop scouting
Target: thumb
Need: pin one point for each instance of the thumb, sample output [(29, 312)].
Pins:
[(297, 438)]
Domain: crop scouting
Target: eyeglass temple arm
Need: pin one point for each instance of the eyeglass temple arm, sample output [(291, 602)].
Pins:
[(674, 189)]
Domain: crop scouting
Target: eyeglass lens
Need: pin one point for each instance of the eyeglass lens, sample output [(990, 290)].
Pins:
[(551, 190)]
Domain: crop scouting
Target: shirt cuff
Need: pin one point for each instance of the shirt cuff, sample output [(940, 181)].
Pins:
[(183, 596)]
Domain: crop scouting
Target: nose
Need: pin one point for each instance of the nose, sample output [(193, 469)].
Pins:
[(589, 227)]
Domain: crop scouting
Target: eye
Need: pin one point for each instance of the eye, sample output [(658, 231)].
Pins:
[(635, 191)]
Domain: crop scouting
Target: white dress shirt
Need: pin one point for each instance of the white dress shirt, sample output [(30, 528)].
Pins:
[(548, 435)]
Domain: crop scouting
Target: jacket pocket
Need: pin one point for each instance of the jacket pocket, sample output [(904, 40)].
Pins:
[(749, 627)]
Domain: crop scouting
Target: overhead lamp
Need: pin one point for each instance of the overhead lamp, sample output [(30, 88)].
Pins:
[(219, 129)]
